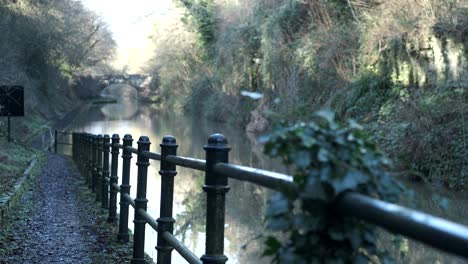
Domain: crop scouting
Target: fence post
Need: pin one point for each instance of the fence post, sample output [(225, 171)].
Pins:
[(89, 155), (140, 202), (73, 148), (83, 155), (99, 168), (165, 221), (125, 188), (105, 172), (114, 179), (55, 142), (216, 187), (95, 154)]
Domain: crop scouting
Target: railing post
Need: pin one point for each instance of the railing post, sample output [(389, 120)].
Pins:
[(140, 202), (114, 179), (99, 168), (73, 146), (83, 155), (95, 157), (55, 142), (165, 221), (216, 187), (89, 165), (105, 172), (125, 188)]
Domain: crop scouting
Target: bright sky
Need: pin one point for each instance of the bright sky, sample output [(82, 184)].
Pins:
[(131, 22)]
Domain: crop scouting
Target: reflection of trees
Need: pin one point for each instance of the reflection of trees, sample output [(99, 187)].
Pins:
[(193, 218)]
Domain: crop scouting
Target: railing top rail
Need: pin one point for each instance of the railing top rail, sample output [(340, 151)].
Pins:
[(151, 155), (117, 145), (131, 149), (269, 179), (178, 246), (434, 231), (197, 164)]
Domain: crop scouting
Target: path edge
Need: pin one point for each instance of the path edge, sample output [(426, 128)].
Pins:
[(10, 201)]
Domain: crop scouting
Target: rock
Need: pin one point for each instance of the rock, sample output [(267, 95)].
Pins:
[(258, 123)]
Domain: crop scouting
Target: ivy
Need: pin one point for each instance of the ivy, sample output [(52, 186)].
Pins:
[(328, 158)]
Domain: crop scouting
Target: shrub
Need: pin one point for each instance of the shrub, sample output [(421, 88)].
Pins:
[(328, 160)]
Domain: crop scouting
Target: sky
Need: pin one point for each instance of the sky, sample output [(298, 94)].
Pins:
[(131, 23)]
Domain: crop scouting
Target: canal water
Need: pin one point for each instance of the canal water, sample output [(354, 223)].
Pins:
[(245, 202)]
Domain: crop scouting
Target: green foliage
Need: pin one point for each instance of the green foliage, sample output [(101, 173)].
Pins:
[(201, 16), (328, 160)]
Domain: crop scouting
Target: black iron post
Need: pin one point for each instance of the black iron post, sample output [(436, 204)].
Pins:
[(125, 188), (166, 221), (90, 165), (55, 140), (140, 202), (73, 144), (9, 129), (95, 157), (105, 172), (99, 168), (114, 179), (83, 155), (216, 187)]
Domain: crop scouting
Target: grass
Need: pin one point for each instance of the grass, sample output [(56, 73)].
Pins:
[(14, 159), (110, 249)]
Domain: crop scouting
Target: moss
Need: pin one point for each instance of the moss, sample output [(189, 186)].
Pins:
[(14, 160)]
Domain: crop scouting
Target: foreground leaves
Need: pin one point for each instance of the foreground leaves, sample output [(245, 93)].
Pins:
[(329, 159)]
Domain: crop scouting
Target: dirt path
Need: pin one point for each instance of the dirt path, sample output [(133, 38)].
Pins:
[(52, 225)]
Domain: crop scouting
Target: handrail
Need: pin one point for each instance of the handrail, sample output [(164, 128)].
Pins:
[(151, 155), (268, 179), (434, 231), (186, 162), (132, 150), (88, 154), (129, 199), (178, 246)]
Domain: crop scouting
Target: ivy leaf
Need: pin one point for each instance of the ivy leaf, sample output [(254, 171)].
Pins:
[(302, 158), (278, 224), (326, 114), (306, 222), (361, 259), (349, 181), (322, 155), (314, 189), (277, 205), (272, 246), (336, 234), (442, 202)]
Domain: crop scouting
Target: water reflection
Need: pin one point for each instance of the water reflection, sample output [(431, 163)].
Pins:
[(244, 203)]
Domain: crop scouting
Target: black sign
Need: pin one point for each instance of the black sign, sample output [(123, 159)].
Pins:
[(11, 101)]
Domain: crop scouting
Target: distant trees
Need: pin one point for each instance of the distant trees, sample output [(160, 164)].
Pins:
[(51, 39)]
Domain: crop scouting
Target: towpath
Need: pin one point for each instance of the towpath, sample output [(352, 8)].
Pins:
[(54, 224)]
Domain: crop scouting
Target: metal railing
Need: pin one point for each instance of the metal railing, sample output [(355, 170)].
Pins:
[(57, 142), (91, 154)]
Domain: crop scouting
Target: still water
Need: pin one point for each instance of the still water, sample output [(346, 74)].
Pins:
[(245, 202)]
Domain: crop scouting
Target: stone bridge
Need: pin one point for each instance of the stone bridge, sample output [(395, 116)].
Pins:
[(139, 81)]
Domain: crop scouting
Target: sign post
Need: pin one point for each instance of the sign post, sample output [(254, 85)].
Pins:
[(11, 103)]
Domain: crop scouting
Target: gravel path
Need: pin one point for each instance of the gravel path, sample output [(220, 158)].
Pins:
[(52, 225)]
